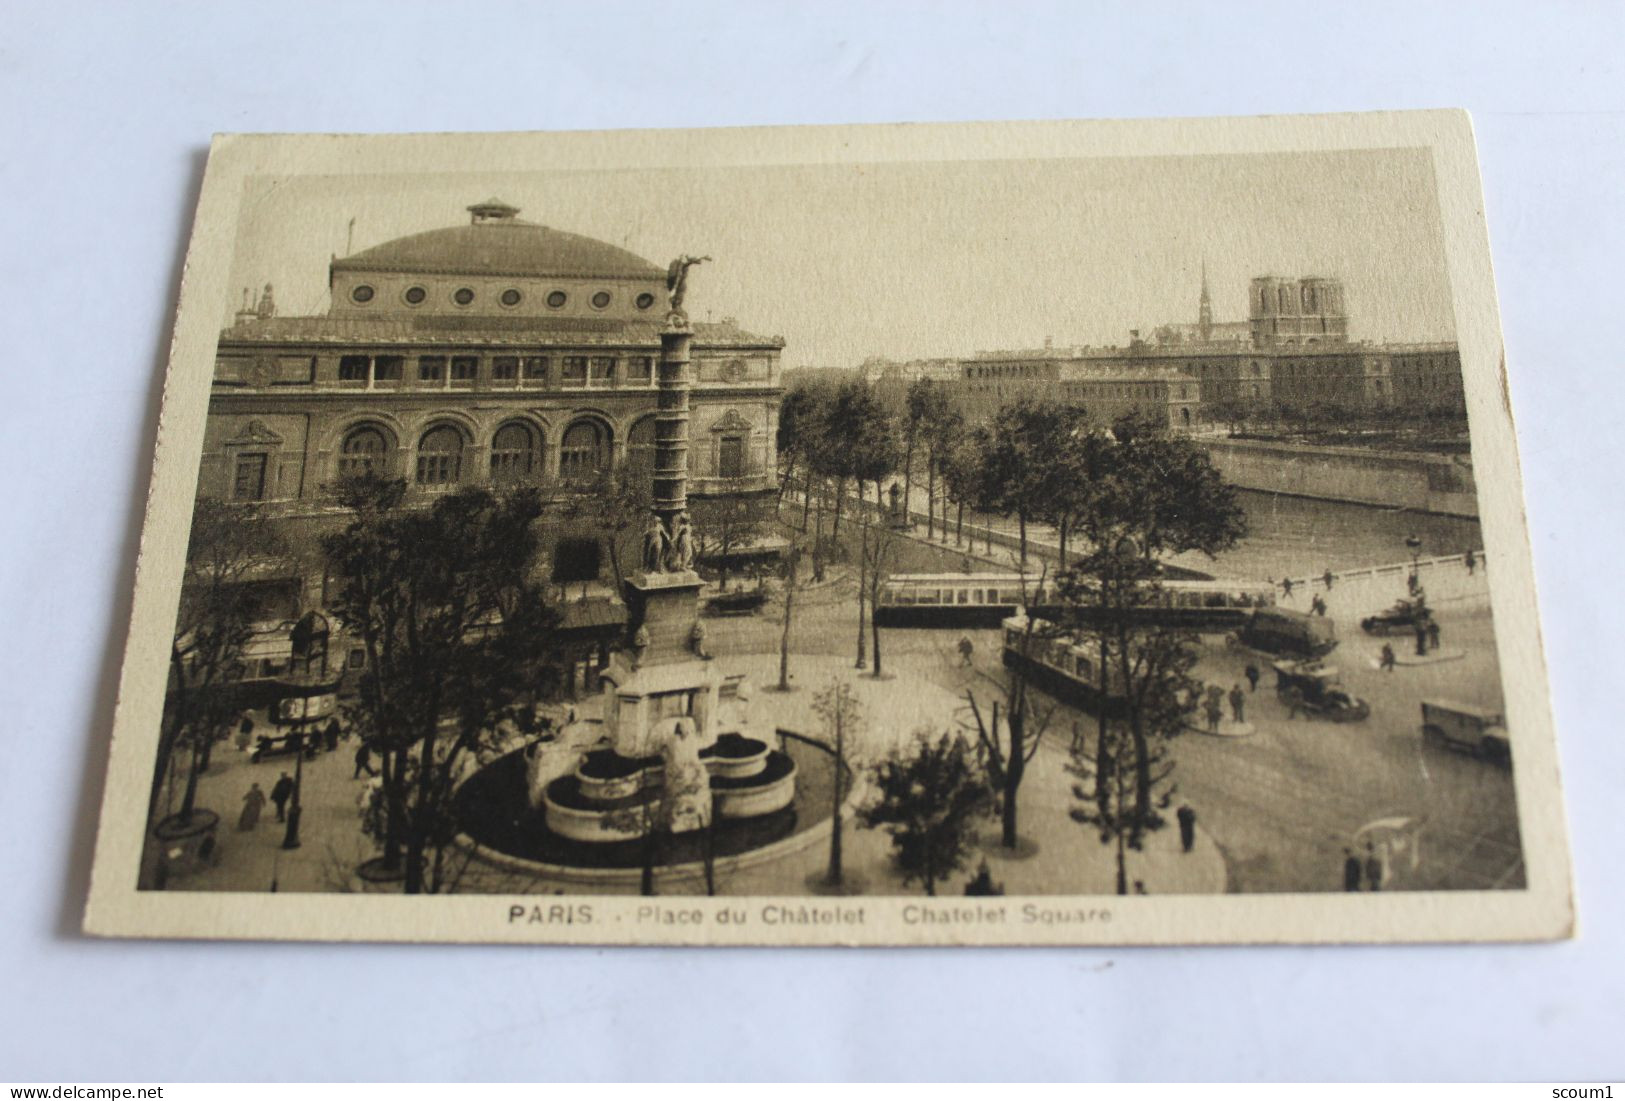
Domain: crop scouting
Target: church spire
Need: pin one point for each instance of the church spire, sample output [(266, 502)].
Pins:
[(1205, 315)]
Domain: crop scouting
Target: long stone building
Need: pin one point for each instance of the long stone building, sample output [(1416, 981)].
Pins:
[(1293, 351), (493, 352)]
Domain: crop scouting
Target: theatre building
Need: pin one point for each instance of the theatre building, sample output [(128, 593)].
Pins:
[(497, 352)]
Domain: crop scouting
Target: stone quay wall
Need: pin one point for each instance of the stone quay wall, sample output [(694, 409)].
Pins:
[(1440, 484)]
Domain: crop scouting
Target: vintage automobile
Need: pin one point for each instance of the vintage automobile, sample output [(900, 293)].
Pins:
[(1315, 689), (1405, 616), (1478, 730), (1284, 633)]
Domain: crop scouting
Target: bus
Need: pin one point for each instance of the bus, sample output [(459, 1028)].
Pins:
[(988, 599)]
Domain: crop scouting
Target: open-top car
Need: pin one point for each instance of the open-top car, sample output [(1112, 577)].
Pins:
[(1405, 616), (1316, 689)]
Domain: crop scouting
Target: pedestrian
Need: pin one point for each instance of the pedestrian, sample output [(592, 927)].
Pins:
[(281, 792), (966, 648), (1187, 826), (1351, 870), (1433, 634), (1327, 577), (1215, 713), (1292, 696), (1414, 583), (1388, 659), (1471, 561), (245, 734), (1238, 704), (1252, 677), (1317, 605), (363, 762), (331, 734), (1077, 738), (1421, 641), (1286, 586), (253, 803), (1376, 866)]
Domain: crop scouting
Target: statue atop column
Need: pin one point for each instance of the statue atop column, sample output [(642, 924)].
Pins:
[(677, 279)]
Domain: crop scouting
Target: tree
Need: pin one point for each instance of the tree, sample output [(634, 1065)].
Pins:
[(616, 505), (945, 432), (792, 581), (212, 626), (928, 795), (1152, 493), (457, 637), (881, 549), (724, 526), (1103, 794), (1011, 740), (843, 718), (926, 408), (800, 413), (1017, 448)]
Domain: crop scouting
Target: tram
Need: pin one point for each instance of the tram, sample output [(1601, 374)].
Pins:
[(988, 599), (1063, 666)]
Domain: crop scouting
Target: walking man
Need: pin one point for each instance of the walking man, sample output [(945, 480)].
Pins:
[(1327, 578), (1317, 605), (1471, 561), (1187, 826), (1433, 634), (1252, 677), (1238, 703), (1351, 870), (1215, 712), (1286, 586), (1387, 663), (1421, 641), (966, 648), (281, 792), (1376, 867), (363, 762)]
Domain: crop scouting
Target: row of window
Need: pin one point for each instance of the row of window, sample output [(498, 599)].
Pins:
[(387, 370), (416, 295)]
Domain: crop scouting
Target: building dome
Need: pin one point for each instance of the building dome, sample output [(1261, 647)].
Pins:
[(497, 242)]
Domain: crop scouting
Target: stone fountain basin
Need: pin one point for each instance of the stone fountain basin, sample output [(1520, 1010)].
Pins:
[(574, 811)]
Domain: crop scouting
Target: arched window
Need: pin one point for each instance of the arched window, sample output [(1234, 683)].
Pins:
[(640, 449), (365, 451), (584, 451), (1286, 300), (440, 456), (513, 453)]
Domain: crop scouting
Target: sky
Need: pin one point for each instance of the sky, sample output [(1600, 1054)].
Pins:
[(926, 259)]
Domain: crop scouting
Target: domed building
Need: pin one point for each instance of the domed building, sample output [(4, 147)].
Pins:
[(495, 352)]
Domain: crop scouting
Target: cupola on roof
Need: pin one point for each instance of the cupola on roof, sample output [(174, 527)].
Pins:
[(497, 242)]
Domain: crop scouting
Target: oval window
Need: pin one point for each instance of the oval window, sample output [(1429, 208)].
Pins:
[(363, 293), (415, 295), (510, 297), (557, 299), (463, 296), (645, 300), (600, 300)]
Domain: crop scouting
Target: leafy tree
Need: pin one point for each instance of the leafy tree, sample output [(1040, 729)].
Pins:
[(926, 411), (800, 415), (1105, 794), (212, 626), (928, 795), (457, 637), (944, 437), (1017, 449), (1146, 664)]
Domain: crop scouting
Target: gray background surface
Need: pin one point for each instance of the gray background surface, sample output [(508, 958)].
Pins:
[(108, 112)]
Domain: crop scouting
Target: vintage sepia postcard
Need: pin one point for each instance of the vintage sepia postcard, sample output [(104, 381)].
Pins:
[(1038, 533)]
